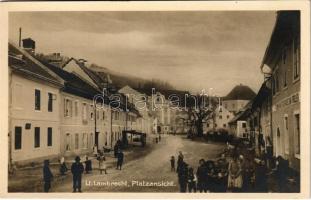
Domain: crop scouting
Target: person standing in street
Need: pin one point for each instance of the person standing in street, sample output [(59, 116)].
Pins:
[(261, 176), (102, 165), (192, 181), (183, 177), (281, 173), (179, 160), (95, 150), (88, 165), (202, 176), (120, 157), (116, 150), (63, 168), (77, 170), (47, 175), (172, 163), (247, 174), (235, 180)]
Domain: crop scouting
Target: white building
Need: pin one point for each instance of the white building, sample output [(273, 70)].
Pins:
[(33, 109), (140, 101), (220, 120)]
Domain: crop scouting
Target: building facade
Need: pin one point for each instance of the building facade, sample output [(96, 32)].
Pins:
[(283, 58), (34, 102)]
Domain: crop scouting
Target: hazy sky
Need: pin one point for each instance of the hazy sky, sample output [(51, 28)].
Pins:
[(190, 50)]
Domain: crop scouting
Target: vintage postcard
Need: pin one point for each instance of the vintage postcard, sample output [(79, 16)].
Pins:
[(155, 99)]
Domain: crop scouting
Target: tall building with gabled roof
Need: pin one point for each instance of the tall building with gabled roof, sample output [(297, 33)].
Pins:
[(237, 98)]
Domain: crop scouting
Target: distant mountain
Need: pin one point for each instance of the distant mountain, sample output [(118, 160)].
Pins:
[(121, 79)]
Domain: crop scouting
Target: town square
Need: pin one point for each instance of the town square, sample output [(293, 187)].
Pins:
[(157, 101)]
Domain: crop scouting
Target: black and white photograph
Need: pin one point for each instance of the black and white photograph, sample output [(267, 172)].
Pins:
[(156, 101)]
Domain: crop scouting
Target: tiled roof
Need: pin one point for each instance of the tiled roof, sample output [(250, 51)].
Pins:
[(73, 84), (240, 92), (22, 62)]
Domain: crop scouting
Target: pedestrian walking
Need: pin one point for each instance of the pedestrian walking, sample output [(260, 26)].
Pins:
[(120, 158), (261, 177), (88, 165), (192, 181), (47, 175), (172, 163), (102, 165), (235, 175), (63, 168), (77, 170), (183, 177), (202, 176), (95, 150)]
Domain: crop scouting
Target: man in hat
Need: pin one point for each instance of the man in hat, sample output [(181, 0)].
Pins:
[(77, 170)]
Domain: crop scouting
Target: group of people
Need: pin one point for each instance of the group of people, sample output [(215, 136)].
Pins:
[(77, 168), (208, 177), (229, 173)]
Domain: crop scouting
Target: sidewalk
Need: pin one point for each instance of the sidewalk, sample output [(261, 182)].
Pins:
[(30, 179)]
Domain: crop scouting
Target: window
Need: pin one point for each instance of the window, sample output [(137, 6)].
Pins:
[(286, 135), (225, 105), (37, 137), (228, 116), (50, 102), (243, 125), (220, 109), (224, 125), (207, 125), (50, 137), (68, 107), (220, 116), (215, 125), (103, 115), (76, 141), (18, 137), (297, 133), (296, 58), (76, 108), (37, 99), (84, 112)]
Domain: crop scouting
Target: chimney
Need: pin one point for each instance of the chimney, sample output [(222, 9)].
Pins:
[(29, 45), (20, 37)]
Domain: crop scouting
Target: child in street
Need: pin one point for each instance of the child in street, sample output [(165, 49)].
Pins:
[(192, 181), (172, 163), (102, 165)]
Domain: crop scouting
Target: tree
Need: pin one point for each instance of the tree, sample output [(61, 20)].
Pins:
[(200, 109)]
